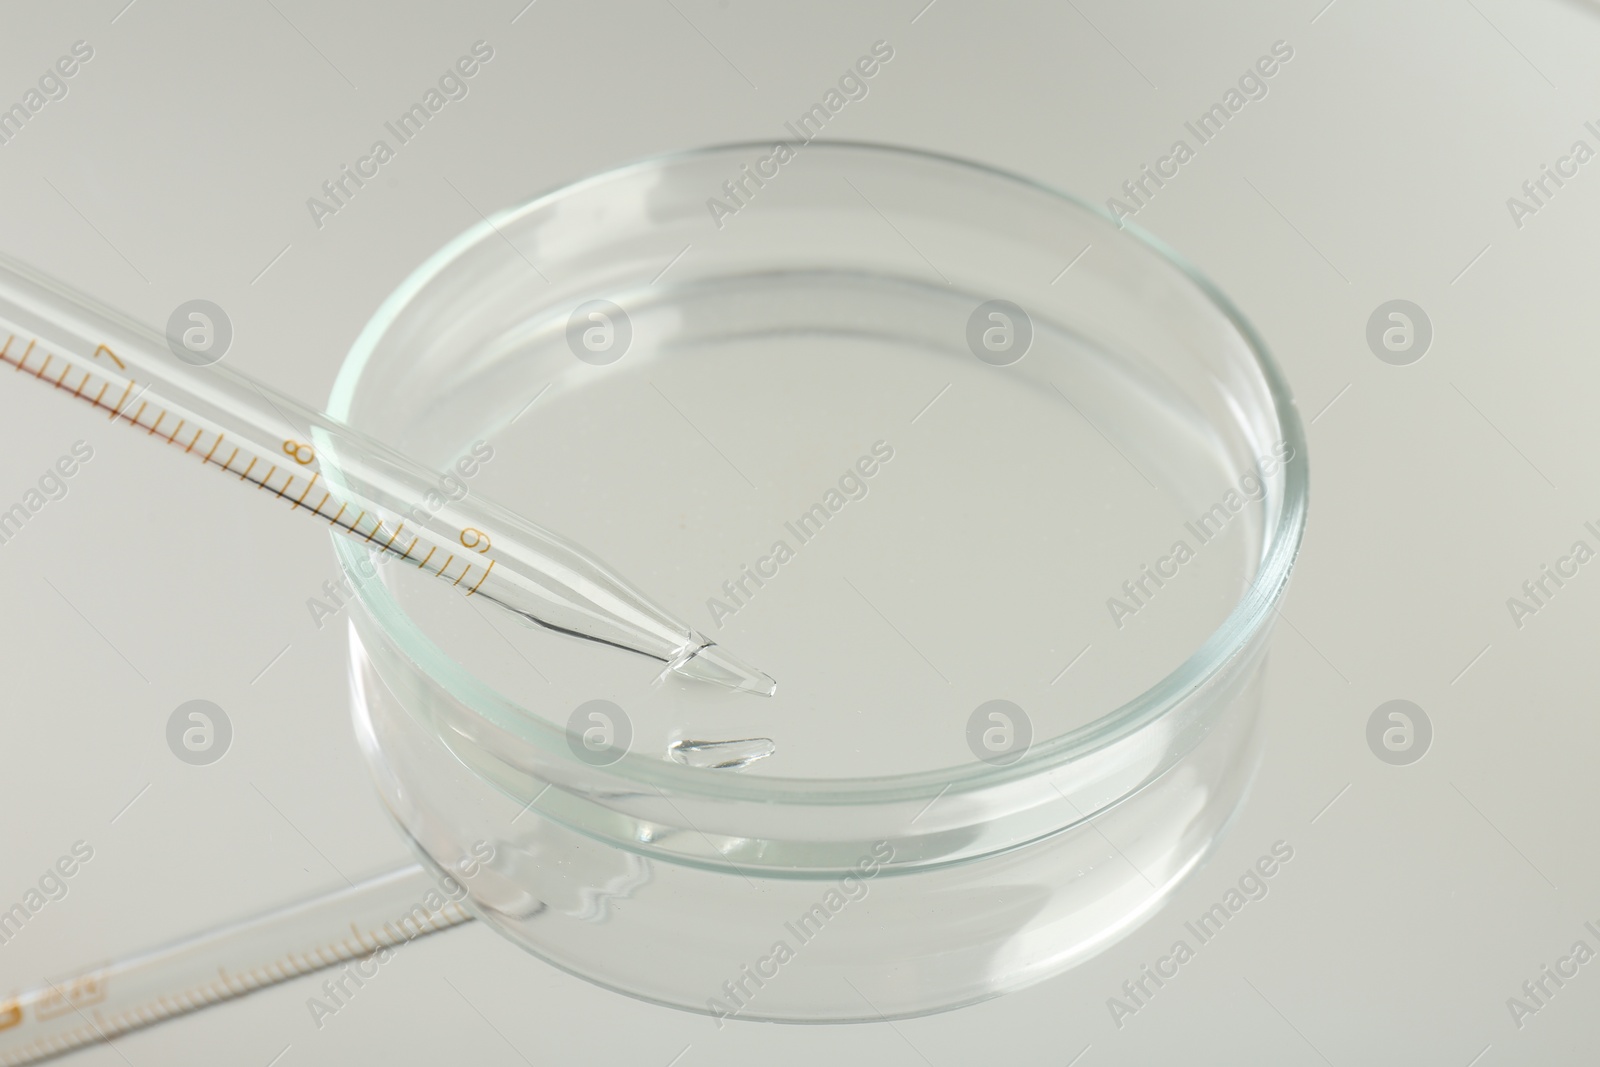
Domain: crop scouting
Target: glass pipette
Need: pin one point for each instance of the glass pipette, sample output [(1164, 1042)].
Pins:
[(332, 472)]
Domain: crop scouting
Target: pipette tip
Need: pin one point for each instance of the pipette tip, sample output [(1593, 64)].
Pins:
[(712, 663)]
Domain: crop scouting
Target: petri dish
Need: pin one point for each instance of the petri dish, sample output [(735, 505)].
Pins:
[(1002, 493)]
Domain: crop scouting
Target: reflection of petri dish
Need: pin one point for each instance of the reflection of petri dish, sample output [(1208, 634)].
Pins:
[(1002, 495)]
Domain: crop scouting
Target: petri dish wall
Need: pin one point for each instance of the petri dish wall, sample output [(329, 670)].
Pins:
[(1001, 493)]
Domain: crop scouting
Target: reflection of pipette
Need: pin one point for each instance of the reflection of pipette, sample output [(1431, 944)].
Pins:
[(358, 927), (328, 470)]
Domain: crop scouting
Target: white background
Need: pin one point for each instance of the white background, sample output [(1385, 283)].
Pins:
[(1378, 167)]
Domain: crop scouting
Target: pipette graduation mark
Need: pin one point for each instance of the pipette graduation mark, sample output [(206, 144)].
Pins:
[(338, 474)]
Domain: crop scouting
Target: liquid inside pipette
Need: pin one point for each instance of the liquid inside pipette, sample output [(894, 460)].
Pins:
[(713, 663)]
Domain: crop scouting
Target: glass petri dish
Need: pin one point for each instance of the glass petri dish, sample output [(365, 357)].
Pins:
[(1002, 492)]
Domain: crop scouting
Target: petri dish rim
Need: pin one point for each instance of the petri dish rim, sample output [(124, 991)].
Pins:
[(1247, 620)]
